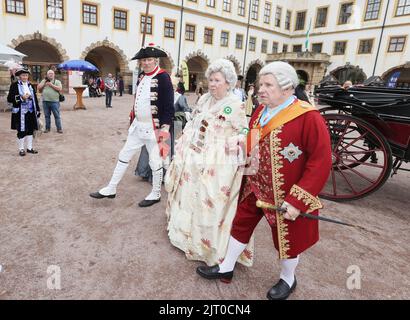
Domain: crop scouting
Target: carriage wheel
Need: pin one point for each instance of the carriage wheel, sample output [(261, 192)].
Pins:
[(354, 174), (365, 156)]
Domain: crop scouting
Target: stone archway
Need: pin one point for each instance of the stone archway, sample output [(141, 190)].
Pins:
[(252, 71), (398, 77), (109, 58), (197, 63), (43, 53), (349, 73), (236, 64), (303, 76)]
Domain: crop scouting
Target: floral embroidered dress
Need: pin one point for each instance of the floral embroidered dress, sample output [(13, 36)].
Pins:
[(204, 181)]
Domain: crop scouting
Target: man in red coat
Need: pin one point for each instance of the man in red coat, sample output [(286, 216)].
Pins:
[(290, 145)]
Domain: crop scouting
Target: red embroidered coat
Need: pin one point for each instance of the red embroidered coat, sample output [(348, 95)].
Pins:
[(294, 164)]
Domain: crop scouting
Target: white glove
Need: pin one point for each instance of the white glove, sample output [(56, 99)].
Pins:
[(291, 212)]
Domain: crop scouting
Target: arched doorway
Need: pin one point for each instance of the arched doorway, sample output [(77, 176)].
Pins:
[(236, 64), (106, 60), (352, 73), (196, 68), (252, 74), (303, 76), (42, 55), (398, 77)]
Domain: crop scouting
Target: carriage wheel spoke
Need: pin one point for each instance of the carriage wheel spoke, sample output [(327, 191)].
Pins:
[(333, 181), (358, 173), (345, 178), (365, 164), (341, 135), (355, 140)]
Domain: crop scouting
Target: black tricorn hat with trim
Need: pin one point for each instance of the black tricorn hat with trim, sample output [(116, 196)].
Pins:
[(150, 51), (21, 71)]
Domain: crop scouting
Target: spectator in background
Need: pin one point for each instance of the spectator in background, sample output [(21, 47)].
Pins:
[(347, 84), (238, 90), (199, 91), (120, 85), (50, 88), (109, 88)]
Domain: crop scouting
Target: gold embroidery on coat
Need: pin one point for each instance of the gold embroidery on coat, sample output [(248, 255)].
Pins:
[(308, 199), (278, 193)]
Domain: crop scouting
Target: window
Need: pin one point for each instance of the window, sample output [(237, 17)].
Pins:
[(340, 48), (285, 48), (208, 35), (321, 17), (300, 20), (317, 47), (297, 48), (275, 47), (149, 24), (372, 10), (241, 8), (403, 8), (227, 5), (255, 9), (89, 14), (16, 6), (169, 29), (396, 44), (278, 16), (266, 15), (345, 12), (264, 46), (252, 44), (55, 9), (287, 19), (36, 70), (239, 41), (120, 19), (210, 3), (365, 46), (189, 32), (224, 38)]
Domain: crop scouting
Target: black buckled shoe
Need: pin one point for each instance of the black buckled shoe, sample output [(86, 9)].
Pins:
[(22, 153), (147, 203), (281, 290), (213, 273), (32, 151), (98, 195)]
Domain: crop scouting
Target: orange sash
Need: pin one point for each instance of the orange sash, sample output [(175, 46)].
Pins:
[(284, 116)]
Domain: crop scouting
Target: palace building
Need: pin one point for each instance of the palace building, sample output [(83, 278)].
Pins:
[(350, 40)]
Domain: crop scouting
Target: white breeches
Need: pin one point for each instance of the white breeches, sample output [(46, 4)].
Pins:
[(140, 134)]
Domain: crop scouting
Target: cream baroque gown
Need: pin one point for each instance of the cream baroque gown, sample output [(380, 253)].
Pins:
[(204, 180)]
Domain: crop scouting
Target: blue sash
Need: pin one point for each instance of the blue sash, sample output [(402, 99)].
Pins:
[(26, 106)]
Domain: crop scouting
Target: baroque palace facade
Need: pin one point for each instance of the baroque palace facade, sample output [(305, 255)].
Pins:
[(351, 40)]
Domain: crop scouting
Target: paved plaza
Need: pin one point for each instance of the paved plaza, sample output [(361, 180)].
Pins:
[(112, 249)]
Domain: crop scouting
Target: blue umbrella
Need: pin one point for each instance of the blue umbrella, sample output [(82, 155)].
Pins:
[(77, 65)]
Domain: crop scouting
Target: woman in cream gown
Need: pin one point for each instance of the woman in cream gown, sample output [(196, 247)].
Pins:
[(205, 175)]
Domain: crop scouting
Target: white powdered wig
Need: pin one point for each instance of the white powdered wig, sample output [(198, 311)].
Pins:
[(225, 67), (284, 73)]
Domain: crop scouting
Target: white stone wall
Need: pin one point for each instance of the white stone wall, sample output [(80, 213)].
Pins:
[(75, 37)]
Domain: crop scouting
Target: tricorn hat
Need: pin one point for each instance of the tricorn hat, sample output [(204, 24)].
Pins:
[(21, 71), (150, 51), (240, 77)]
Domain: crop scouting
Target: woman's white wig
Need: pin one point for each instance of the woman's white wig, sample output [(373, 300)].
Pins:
[(225, 67), (284, 73)]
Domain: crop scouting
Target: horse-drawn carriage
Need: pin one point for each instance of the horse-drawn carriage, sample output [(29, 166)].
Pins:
[(369, 128)]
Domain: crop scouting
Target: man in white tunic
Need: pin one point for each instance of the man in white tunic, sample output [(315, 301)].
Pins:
[(150, 118)]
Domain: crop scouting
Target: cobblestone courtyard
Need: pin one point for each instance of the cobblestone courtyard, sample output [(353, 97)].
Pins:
[(112, 249)]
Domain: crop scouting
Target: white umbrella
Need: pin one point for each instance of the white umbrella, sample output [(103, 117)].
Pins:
[(11, 64), (7, 53)]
